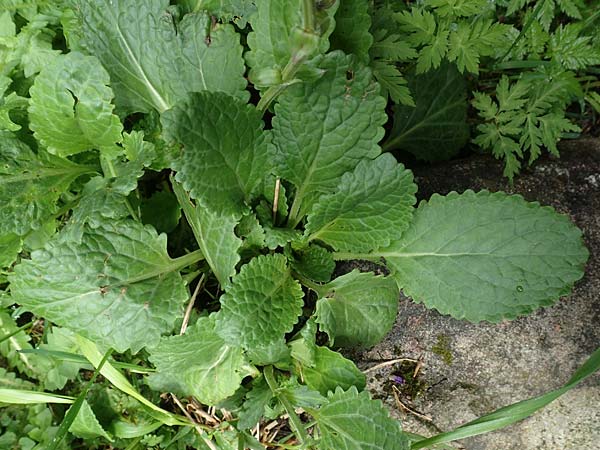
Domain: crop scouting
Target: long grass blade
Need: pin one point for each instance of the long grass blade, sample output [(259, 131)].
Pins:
[(512, 413), (23, 397)]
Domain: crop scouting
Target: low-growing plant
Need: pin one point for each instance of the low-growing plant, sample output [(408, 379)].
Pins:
[(131, 135)]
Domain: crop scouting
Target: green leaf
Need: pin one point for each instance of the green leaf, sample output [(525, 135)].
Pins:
[(571, 50), (322, 128), (253, 409), (371, 207), (8, 102), (262, 304), (21, 397), (10, 247), (392, 82), (71, 109), (353, 421), (162, 211), (351, 34), (225, 153), (151, 63), (215, 234), (30, 185), (63, 341), (199, 363), (330, 371), (436, 128), (357, 309), (314, 262), (115, 285), (226, 10), (10, 348), (487, 256), (86, 425)]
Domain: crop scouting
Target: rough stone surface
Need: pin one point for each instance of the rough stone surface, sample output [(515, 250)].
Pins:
[(472, 369)]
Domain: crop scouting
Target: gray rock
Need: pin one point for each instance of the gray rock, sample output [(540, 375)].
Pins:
[(472, 369)]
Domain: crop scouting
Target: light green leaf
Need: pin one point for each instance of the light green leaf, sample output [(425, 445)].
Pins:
[(332, 370), (71, 109), (21, 397), (483, 256), (351, 34), (10, 247), (30, 185), (151, 63), (9, 101), (86, 425), (61, 370), (215, 234), (115, 285), (10, 348), (353, 421), (199, 363), (436, 128), (253, 409), (225, 153), (322, 128), (262, 304), (371, 207), (357, 309)]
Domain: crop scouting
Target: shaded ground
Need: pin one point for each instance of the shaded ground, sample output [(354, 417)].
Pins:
[(472, 369)]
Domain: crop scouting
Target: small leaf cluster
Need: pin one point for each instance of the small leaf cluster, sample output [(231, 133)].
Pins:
[(157, 232)]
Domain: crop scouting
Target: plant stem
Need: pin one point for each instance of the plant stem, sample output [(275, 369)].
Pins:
[(310, 284), (295, 422)]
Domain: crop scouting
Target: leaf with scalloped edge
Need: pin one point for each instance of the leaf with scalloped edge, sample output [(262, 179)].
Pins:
[(351, 34), (215, 235), (153, 64), (332, 370), (261, 305), (71, 110), (322, 128), (199, 363), (30, 185), (486, 256), (353, 421), (371, 207), (115, 284), (357, 309), (314, 262), (225, 154)]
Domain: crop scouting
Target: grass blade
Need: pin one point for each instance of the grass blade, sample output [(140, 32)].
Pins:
[(512, 413), (22, 397), (67, 421)]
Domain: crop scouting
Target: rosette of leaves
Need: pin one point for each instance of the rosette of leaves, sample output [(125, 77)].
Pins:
[(269, 210)]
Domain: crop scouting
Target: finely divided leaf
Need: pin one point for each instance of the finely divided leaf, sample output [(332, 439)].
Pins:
[(225, 154), (357, 309), (151, 63), (353, 421), (370, 208), (262, 304), (322, 128), (115, 285), (71, 109), (30, 185), (330, 371), (483, 256), (436, 128), (198, 363)]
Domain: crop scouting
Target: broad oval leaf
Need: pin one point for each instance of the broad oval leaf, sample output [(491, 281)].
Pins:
[(115, 285), (71, 109), (225, 154), (151, 63), (357, 309), (436, 127), (321, 129), (370, 208), (330, 371), (487, 256), (353, 421), (198, 363), (262, 304)]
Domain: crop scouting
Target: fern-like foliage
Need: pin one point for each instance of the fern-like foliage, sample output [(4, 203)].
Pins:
[(461, 31), (549, 9), (525, 116)]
